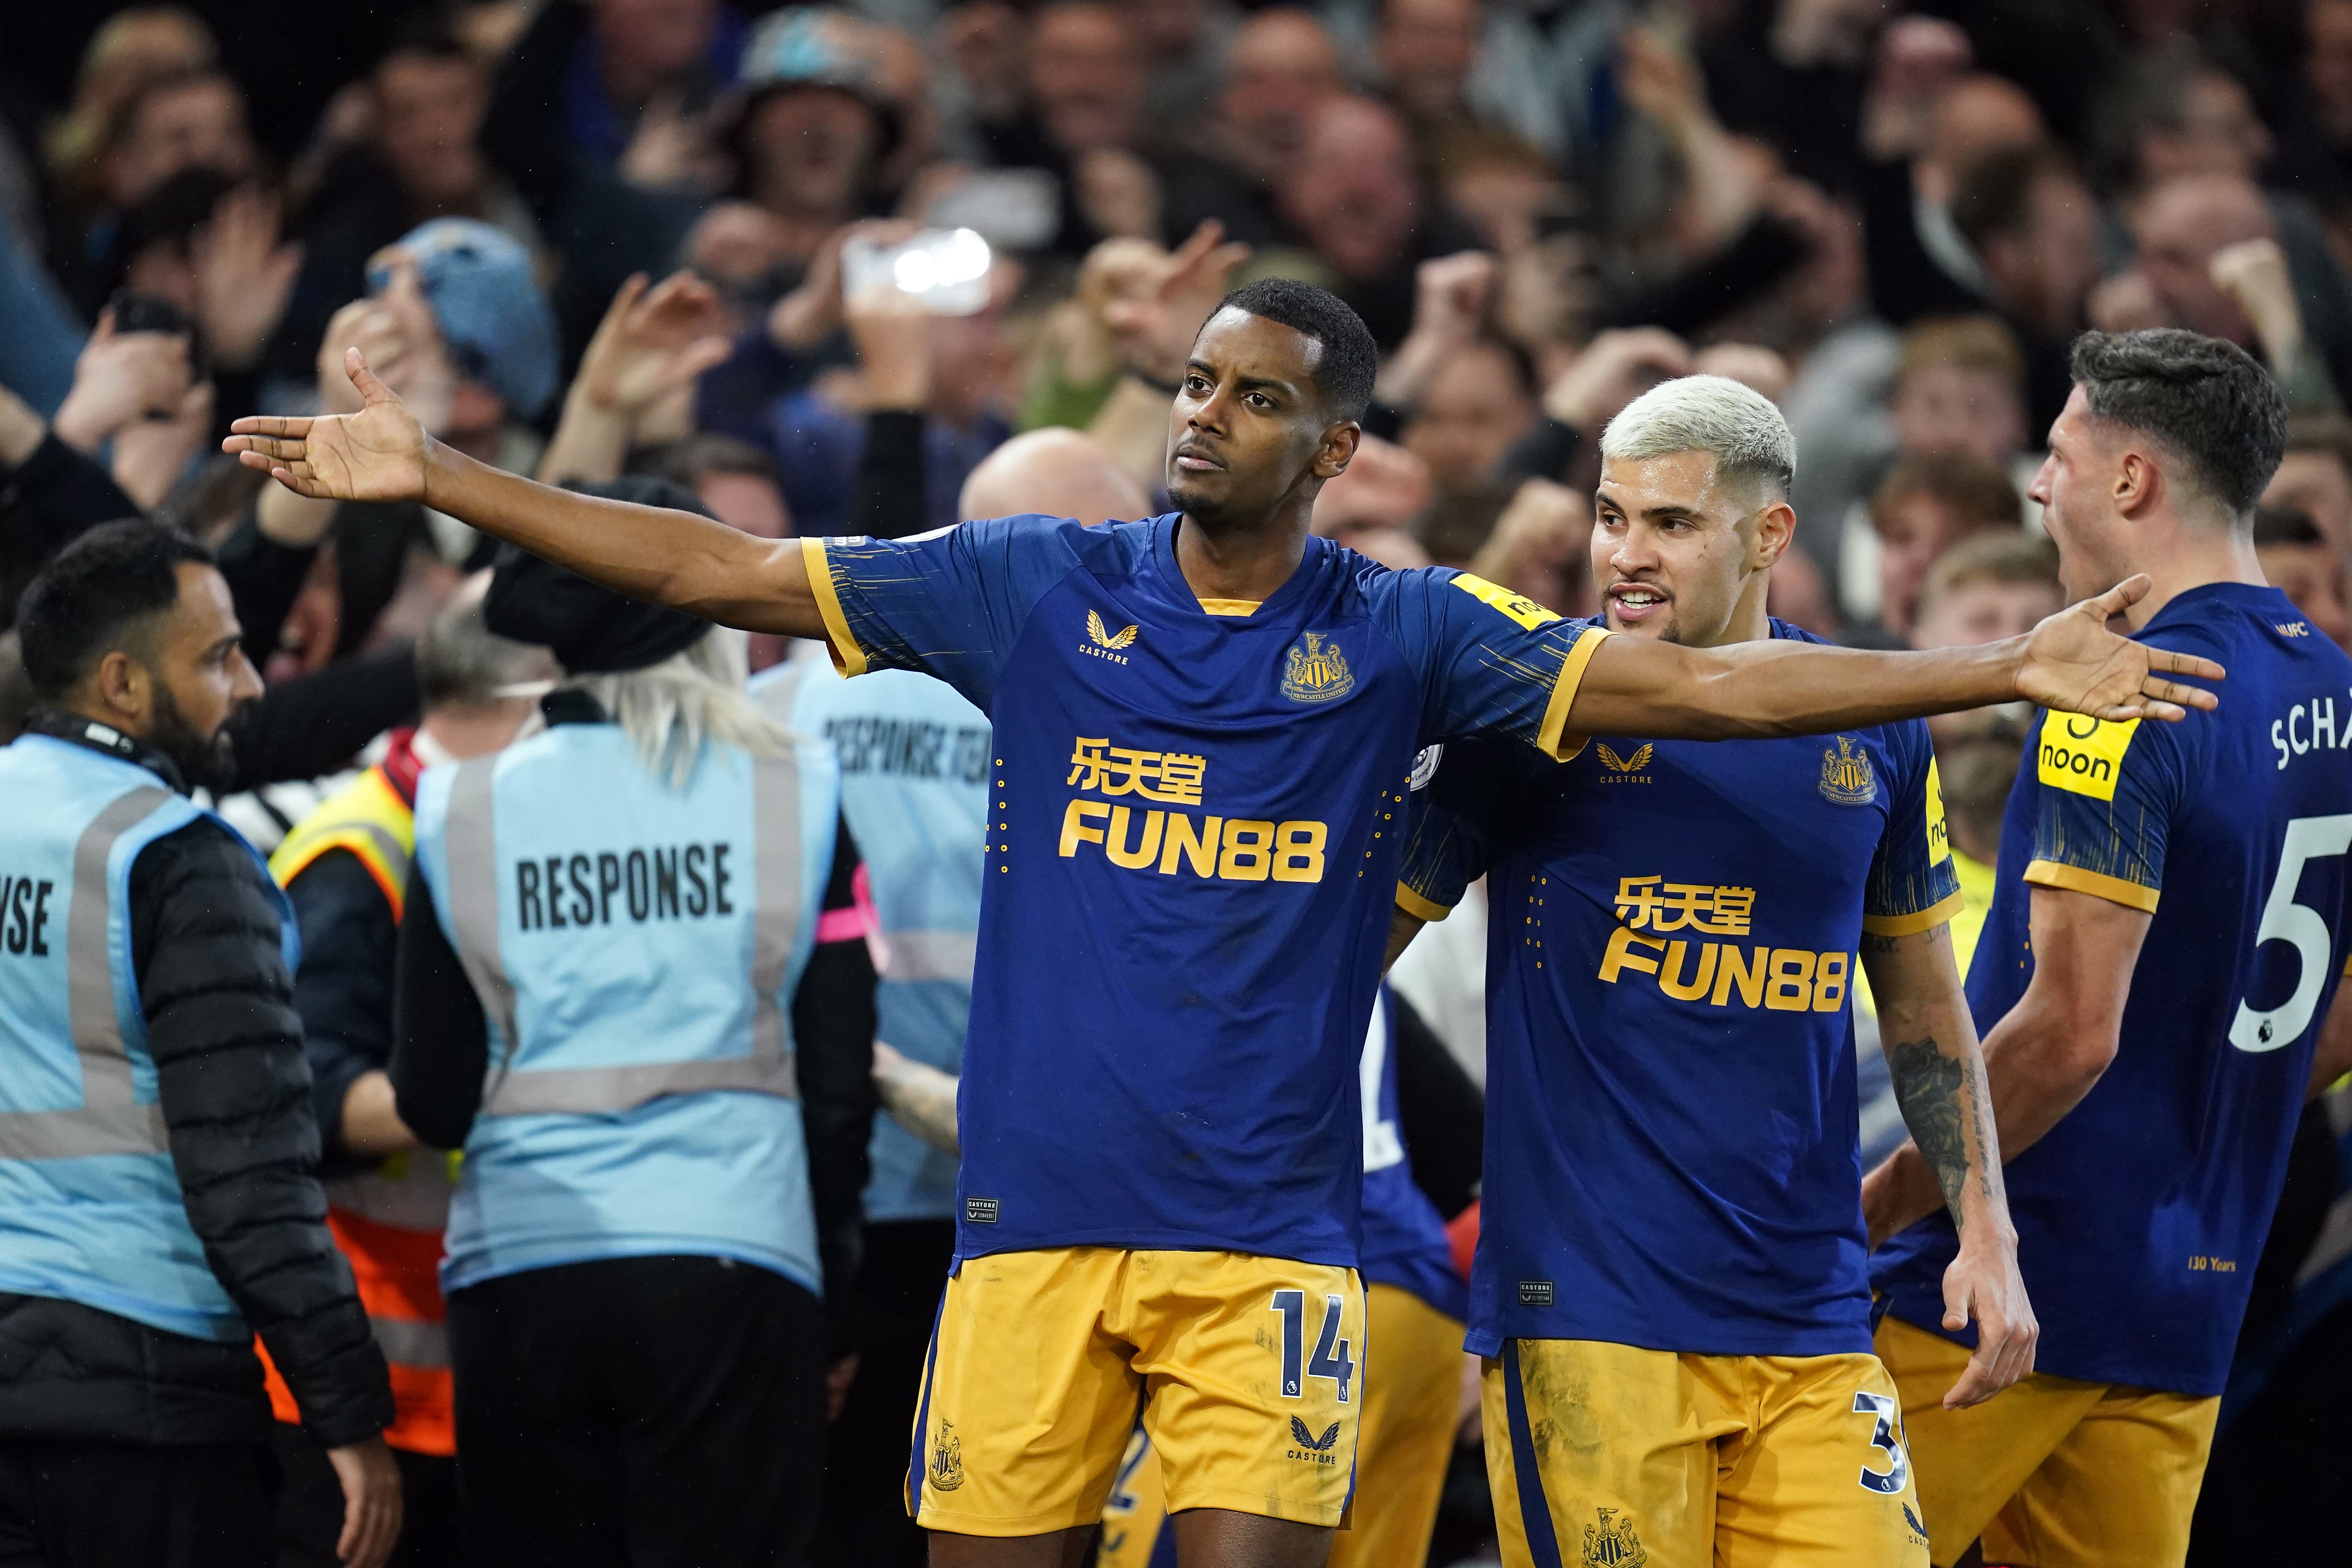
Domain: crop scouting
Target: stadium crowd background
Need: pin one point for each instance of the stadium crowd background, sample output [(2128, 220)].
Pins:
[(1891, 222)]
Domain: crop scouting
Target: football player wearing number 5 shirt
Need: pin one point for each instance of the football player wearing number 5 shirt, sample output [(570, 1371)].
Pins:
[(2156, 969), (1672, 1287), (1204, 726)]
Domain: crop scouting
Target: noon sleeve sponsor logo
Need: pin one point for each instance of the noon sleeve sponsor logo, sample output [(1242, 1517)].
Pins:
[(1231, 849), (2083, 755), (1517, 606), (1939, 836)]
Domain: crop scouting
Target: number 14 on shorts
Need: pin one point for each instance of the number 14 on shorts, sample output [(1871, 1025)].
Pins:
[(1330, 1361)]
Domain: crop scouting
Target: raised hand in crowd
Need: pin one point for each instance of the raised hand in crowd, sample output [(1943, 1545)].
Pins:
[(1615, 369), (1450, 298), (1540, 547), (244, 276), (120, 377), (396, 331), (151, 454), (1918, 56), (635, 382), (1156, 321), (810, 313), (892, 332)]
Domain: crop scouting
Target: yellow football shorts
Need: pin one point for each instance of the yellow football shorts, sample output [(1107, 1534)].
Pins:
[(1412, 1409), (2051, 1472), (1599, 1453), (1245, 1371)]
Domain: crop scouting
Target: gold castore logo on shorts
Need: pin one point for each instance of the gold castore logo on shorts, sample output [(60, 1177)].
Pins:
[(1315, 670), (945, 1471), (1612, 1543)]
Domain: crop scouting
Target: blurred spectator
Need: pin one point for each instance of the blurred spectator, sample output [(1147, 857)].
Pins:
[(1383, 488), (1793, 74), (132, 49), (735, 479), (1926, 506), (2031, 225), (745, 252), (2215, 256), (814, 127), (1477, 405), (2315, 151), (422, 159), (191, 121), (2316, 478), (1542, 547), (1961, 389), (1280, 69), (1426, 52), (1356, 200), (2298, 561), (2172, 111)]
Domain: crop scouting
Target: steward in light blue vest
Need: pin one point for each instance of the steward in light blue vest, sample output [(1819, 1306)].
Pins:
[(914, 762), (91, 1208), (619, 989), (635, 946)]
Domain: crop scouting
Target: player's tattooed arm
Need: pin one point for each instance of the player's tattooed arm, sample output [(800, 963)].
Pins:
[(1939, 1082), (1940, 1097)]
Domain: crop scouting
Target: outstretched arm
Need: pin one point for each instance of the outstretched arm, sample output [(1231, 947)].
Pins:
[(666, 557), (1782, 687), (1939, 1081)]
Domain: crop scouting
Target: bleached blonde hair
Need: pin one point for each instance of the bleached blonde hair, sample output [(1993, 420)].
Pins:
[(1736, 422), (670, 709)]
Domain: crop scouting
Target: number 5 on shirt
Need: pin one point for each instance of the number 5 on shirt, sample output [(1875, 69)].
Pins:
[(2284, 920)]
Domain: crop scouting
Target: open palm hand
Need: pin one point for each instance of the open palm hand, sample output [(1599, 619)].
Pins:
[(377, 454), (2073, 663)]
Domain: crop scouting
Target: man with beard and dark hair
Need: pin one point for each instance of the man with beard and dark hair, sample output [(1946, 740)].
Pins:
[(159, 1204)]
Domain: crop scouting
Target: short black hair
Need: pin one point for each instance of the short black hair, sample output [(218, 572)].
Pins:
[(98, 588), (2205, 399), (1349, 359)]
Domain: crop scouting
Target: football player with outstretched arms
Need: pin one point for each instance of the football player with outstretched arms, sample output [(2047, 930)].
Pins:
[(1204, 724)]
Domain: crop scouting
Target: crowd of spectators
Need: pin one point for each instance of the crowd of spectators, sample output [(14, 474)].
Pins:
[(591, 238)]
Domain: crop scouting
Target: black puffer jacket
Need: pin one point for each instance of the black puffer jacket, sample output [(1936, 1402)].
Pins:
[(236, 1101)]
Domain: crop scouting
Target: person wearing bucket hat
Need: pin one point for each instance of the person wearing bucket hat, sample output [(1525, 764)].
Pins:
[(812, 123), (494, 321), (637, 993)]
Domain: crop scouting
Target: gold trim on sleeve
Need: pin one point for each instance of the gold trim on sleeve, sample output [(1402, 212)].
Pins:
[(1413, 903), (1928, 918), (2074, 880), (847, 656), (1552, 740)]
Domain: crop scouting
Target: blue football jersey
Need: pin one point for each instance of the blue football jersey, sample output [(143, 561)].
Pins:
[(1405, 1244), (2140, 1215), (1194, 845), (1671, 1127)]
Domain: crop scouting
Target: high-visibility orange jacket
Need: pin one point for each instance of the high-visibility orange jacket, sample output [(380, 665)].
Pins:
[(388, 1221)]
